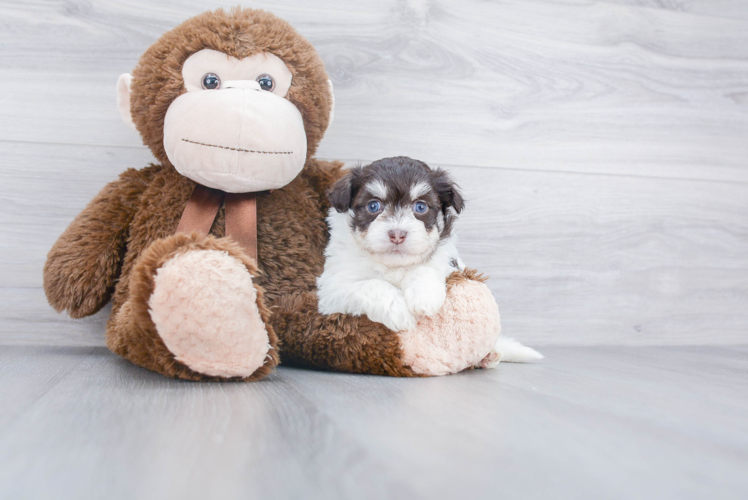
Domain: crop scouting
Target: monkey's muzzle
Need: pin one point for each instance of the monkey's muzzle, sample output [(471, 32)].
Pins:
[(238, 139)]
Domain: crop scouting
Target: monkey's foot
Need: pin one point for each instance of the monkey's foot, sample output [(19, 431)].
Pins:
[(193, 312), (204, 306), (461, 335)]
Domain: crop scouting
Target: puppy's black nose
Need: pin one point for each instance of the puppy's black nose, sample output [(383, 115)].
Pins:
[(397, 236)]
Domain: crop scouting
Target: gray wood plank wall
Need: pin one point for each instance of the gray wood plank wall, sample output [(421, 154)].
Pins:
[(603, 147)]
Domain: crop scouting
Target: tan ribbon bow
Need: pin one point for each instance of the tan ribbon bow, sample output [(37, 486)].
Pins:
[(241, 215)]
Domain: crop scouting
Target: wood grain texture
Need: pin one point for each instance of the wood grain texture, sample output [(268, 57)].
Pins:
[(573, 258), (575, 86), (586, 423), (602, 146)]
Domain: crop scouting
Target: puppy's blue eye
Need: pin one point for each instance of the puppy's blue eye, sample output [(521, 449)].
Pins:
[(374, 206), (420, 207)]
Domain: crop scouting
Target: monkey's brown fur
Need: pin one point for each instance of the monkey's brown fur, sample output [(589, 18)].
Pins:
[(114, 247)]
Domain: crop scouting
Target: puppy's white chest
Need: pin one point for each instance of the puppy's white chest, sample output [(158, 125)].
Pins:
[(394, 276)]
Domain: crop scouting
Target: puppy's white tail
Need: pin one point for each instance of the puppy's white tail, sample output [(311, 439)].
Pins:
[(514, 352)]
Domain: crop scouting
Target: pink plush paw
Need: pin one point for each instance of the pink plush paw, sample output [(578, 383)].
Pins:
[(458, 336), (204, 306)]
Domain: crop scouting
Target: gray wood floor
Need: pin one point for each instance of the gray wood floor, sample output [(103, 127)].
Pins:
[(587, 423), (603, 147)]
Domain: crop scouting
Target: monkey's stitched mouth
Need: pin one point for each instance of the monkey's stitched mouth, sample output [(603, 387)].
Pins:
[(239, 149)]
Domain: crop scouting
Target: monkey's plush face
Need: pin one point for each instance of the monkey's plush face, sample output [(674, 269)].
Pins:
[(233, 100), (233, 129)]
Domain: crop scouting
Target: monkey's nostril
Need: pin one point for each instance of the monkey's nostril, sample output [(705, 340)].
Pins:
[(241, 84), (397, 236)]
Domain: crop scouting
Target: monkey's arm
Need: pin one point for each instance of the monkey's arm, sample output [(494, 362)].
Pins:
[(338, 342), (458, 337), (85, 262)]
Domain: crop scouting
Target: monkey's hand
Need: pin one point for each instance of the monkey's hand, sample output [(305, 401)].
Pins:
[(84, 263), (460, 335)]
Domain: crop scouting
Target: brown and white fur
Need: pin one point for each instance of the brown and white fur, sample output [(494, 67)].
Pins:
[(392, 248)]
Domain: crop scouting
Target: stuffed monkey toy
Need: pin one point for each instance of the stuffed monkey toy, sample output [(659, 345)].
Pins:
[(210, 256)]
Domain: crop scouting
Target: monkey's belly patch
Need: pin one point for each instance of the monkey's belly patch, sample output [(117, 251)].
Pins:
[(239, 149)]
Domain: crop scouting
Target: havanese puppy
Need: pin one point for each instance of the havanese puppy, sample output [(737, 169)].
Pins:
[(391, 247), (391, 244)]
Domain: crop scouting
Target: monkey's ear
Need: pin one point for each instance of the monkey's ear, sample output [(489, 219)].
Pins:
[(123, 98), (332, 100), (342, 193), (448, 192)]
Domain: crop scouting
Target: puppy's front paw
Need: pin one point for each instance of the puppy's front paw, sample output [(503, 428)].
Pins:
[(425, 300), (398, 318)]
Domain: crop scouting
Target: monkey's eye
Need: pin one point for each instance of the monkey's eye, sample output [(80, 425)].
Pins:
[(266, 82), (211, 81), (420, 207), (374, 206)]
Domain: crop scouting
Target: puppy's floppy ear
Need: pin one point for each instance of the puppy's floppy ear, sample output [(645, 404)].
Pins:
[(342, 193), (448, 192)]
